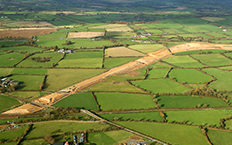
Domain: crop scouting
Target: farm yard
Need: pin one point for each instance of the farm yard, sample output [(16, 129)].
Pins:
[(162, 72)]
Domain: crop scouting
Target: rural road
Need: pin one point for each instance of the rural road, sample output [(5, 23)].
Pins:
[(131, 66)]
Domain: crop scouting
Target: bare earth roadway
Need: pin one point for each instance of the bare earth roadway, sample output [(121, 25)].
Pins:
[(131, 66)]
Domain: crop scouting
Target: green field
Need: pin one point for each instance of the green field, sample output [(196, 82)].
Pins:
[(12, 134), (5, 71), (157, 73), (109, 137), (34, 142), (10, 59), (54, 58), (113, 62), (116, 84), (8, 43), (160, 86), (47, 128), (145, 48), (189, 76), (61, 78), (76, 43), (199, 117), (223, 81), (27, 94), (189, 102), (171, 133), (219, 137), (27, 49), (109, 101), (183, 61), (83, 60), (10, 102), (134, 116), (213, 59), (25, 71), (81, 100), (30, 82)]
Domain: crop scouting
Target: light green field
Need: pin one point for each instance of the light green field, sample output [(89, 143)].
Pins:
[(54, 58), (217, 34), (67, 77), (157, 73), (119, 33), (81, 100), (10, 59), (199, 117), (28, 49), (213, 59), (160, 65), (47, 128), (30, 82), (171, 31), (160, 86), (134, 116), (5, 71), (219, 137), (189, 102), (145, 48), (116, 84), (83, 60), (183, 61), (228, 124), (25, 71), (212, 19), (189, 76), (27, 94), (223, 81), (171, 133), (195, 30), (34, 142), (10, 134), (154, 31), (7, 102), (109, 101), (114, 62), (109, 137), (76, 43)]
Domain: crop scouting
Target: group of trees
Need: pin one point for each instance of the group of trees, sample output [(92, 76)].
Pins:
[(41, 59)]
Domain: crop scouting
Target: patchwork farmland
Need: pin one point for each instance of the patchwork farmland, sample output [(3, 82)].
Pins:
[(108, 74)]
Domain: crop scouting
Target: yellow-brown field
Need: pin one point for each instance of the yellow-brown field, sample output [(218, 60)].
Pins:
[(122, 52), (85, 34)]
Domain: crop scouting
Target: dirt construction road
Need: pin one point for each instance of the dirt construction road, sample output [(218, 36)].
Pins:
[(131, 66)]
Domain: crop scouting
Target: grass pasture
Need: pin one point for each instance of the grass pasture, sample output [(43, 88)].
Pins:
[(145, 48), (80, 100), (189, 102), (34, 142), (10, 102), (114, 62), (30, 82), (116, 84), (122, 52), (213, 59), (189, 76), (74, 76), (10, 59), (212, 19), (12, 134), (54, 58), (109, 101), (9, 43), (5, 71), (109, 137), (28, 49), (134, 116), (183, 61), (157, 73), (219, 137), (44, 128), (160, 86), (171, 133), (27, 94), (223, 81), (114, 27), (83, 59), (199, 117), (26, 71)]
